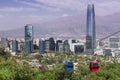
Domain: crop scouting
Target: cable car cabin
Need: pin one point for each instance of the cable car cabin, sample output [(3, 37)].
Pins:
[(69, 65), (94, 66)]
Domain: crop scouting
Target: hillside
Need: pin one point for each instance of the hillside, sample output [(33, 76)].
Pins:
[(70, 26)]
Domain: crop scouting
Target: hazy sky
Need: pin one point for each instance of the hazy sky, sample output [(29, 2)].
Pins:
[(17, 13)]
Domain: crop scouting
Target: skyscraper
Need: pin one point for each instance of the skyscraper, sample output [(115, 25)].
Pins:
[(90, 29), (41, 46), (52, 44), (47, 45), (57, 44), (28, 38), (15, 46), (66, 46)]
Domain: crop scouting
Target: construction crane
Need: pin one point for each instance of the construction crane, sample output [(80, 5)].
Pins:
[(99, 42)]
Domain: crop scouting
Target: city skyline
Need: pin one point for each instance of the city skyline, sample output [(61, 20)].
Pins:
[(17, 13)]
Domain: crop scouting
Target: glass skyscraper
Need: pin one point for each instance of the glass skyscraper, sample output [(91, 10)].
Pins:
[(28, 38), (90, 29), (15, 46), (41, 46), (52, 44), (57, 44), (66, 46)]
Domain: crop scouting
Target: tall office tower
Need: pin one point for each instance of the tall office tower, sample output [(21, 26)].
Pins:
[(60, 47), (15, 46), (41, 46), (47, 45), (28, 38), (66, 46), (90, 30), (57, 44), (52, 44)]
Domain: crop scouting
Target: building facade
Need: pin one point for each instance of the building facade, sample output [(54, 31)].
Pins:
[(58, 42), (66, 46), (90, 30), (114, 42), (77, 48), (28, 47), (4, 43), (47, 45), (41, 46), (52, 44), (15, 46), (28, 38)]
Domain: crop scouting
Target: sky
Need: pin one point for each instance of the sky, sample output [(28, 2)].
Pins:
[(17, 13)]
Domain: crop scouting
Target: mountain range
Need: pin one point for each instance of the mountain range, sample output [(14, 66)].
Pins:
[(69, 26)]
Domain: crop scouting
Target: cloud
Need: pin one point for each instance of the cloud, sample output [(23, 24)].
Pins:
[(65, 15), (62, 4), (1, 16), (31, 11), (14, 21), (16, 9), (103, 7), (107, 8), (34, 18), (40, 6)]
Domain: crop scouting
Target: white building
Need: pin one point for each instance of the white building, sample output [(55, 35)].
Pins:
[(77, 47)]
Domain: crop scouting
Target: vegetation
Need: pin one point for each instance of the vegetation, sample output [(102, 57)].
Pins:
[(11, 69)]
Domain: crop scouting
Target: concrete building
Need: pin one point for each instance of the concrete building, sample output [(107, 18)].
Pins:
[(77, 47), (98, 51), (114, 42), (4, 43)]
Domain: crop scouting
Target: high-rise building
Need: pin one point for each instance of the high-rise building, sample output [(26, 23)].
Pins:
[(52, 44), (4, 43), (28, 38), (60, 47), (78, 48), (66, 46), (28, 46), (90, 30), (47, 45), (57, 44), (114, 42), (15, 46), (41, 46)]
